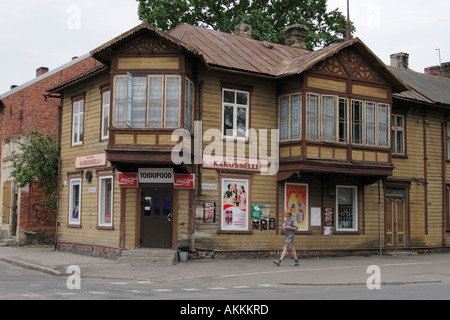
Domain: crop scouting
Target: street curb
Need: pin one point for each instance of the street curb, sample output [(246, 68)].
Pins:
[(30, 266)]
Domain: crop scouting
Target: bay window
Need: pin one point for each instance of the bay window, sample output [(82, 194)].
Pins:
[(142, 101)]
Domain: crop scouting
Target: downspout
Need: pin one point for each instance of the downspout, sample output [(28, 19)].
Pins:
[(379, 218), (444, 184), (58, 179), (425, 169)]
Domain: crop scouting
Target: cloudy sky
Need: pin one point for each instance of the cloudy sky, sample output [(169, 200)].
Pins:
[(35, 33)]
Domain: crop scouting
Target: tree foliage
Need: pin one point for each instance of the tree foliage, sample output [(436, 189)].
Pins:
[(38, 161), (268, 18)]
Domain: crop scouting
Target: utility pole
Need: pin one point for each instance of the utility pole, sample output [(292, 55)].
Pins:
[(349, 32)]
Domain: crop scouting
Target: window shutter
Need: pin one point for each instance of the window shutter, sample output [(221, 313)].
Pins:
[(129, 98)]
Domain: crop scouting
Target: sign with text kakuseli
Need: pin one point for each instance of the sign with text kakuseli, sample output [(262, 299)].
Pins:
[(128, 180), (90, 161)]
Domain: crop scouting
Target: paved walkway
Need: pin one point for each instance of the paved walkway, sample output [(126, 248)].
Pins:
[(401, 269)]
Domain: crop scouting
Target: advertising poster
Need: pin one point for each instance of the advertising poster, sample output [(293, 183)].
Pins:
[(296, 200), (235, 207)]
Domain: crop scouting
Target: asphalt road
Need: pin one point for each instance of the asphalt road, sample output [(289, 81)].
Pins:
[(20, 284)]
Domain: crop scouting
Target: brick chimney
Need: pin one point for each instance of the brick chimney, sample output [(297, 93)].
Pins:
[(400, 60), (243, 29), (296, 36), (433, 71), (445, 70), (40, 71)]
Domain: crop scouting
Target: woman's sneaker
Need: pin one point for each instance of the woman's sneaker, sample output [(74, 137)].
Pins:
[(277, 262), (295, 264)]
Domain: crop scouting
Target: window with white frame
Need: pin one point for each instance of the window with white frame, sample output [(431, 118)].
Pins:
[(398, 134), (312, 116), (77, 122), (106, 95), (142, 101), (343, 120), (383, 125), (347, 208), (75, 202), (235, 113), (105, 201), (370, 110), (357, 122), (290, 117), (329, 118)]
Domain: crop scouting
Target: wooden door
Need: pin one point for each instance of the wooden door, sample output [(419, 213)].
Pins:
[(156, 217), (395, 222), (6, 202)]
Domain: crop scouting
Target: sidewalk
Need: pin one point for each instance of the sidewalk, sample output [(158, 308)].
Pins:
[(345, 271)]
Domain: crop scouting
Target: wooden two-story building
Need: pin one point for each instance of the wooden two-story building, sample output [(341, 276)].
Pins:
[(310, 132)]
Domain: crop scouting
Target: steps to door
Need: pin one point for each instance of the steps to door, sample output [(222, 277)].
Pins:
[(6, 240), (159, 257)]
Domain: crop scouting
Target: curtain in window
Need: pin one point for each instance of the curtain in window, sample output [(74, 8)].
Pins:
[(328, 118), (139, 102), (284, 118), (172, 101), (312, 117), (120, 101), (155, 101), (296, 113), (370, 123), (383, 125)]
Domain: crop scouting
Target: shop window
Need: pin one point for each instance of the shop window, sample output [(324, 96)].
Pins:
[(105, 204), (235, 113), (347, 212), (147, 101), (75, 202)]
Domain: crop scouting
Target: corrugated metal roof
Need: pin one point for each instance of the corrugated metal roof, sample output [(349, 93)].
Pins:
[(237, 52), (425, 88)]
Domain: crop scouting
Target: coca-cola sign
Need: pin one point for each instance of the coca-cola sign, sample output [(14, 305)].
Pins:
[(184, 181), (128, 180)]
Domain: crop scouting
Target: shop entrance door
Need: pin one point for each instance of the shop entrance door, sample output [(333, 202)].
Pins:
[(156, 217), (395, 218)]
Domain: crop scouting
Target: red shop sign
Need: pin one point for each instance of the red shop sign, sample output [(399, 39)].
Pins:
[(128, 180), (184, 181)]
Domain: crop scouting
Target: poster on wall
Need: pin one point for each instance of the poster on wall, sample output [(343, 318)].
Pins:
[(235, 207), (296, 200)]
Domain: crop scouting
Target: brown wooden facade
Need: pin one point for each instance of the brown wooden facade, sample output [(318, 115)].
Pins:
[(337, 172)]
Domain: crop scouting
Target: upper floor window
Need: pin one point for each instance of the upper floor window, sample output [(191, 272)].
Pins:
[(106, 97), (142, 101), (327, 118), (77, 121), (235, 113), (398, 134), (290, 117), (448, 140)]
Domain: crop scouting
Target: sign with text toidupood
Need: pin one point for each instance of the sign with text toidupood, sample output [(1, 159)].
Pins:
[(155, 175)]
